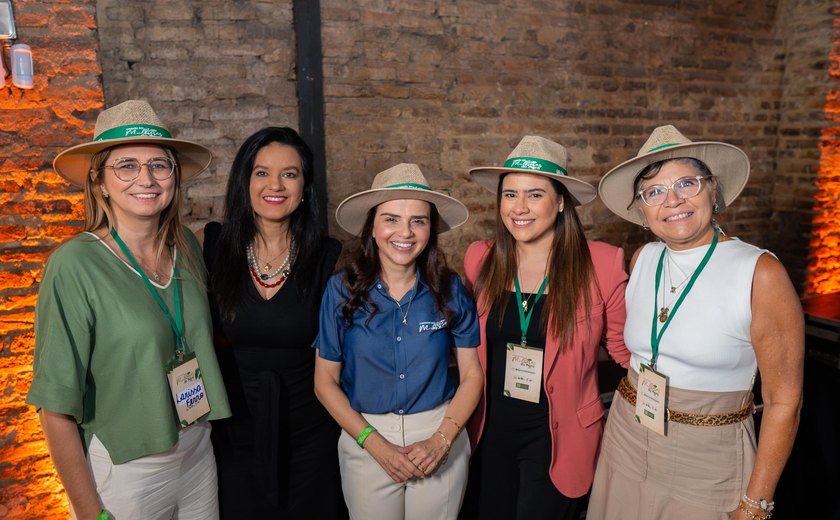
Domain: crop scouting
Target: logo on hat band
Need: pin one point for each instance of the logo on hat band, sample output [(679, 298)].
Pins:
[(133, 131), (535, 164), (410, 185)]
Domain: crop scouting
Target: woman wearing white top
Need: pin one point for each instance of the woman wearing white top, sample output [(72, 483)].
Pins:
[(705, 313)]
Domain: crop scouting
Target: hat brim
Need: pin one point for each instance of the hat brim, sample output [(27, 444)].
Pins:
[(728, 163), (353, 210), (74, 163), (488, 178)]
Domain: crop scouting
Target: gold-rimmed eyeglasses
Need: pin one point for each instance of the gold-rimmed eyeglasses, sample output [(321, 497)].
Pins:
[(128, 168)]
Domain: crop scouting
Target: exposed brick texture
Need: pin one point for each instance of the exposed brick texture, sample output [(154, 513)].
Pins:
[(39, 210), (443, 83)]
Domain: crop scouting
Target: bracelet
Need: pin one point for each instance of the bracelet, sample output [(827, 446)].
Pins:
[(104, 515), (753, 516), (448, 444), (454, 422), (360, 440), (761, 503)]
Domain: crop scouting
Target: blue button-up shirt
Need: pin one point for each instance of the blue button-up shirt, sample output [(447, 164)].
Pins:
[(388, 366)]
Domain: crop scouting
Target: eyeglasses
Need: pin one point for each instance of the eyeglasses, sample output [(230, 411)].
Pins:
[(127, 168), (684, 188)]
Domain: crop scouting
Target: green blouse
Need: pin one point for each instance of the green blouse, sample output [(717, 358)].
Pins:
[(102, 345)]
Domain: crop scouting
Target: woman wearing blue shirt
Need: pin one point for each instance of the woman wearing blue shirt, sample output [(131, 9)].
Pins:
[(389, 322)]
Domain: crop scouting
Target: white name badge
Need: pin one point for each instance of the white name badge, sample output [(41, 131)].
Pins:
[(651, 399), (523, 372), (188, 390)]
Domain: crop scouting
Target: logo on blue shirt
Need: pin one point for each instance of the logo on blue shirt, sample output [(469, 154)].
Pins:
[(426, 326)]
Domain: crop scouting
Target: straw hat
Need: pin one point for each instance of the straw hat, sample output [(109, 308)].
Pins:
[(403, 181), (130, 122), (726, 162), (539, 156)]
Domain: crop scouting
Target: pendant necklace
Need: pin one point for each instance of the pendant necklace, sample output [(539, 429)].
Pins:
[(526, 300), (663, 311), (262, 277), (674, 288), (408, 307)]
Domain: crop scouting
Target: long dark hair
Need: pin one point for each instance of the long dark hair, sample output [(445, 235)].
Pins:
[(230, 266), (570, 269), (364, 267)]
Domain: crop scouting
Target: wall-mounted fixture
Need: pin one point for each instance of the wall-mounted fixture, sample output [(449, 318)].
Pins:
[(19, 54)]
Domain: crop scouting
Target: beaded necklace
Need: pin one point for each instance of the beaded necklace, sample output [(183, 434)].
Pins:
[(260, 278)]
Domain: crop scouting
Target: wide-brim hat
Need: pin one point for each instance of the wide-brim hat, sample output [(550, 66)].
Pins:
[(130, 122), (728, 163), (403, 181), (539, 156)]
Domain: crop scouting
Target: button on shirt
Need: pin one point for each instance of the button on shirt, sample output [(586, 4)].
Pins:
[(388, 366)]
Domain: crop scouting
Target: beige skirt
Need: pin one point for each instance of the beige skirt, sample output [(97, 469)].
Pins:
[(691, 473)]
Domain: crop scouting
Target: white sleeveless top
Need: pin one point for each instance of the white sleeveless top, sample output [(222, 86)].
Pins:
[(707, 345)]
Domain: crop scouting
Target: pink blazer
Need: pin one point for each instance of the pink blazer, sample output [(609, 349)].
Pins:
[(576, 412)]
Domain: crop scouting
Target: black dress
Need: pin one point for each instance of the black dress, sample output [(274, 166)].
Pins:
[(276, 455)]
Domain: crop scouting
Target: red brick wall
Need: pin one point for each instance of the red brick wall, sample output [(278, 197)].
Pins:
[(446, 84), (38, 212)]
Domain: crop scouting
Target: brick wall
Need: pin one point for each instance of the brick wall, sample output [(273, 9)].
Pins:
[(446, 84), (38, 211), (215, 71), (806, 96)]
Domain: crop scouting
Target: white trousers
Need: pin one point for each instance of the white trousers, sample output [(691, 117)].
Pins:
[(369, 491), (178, 484)]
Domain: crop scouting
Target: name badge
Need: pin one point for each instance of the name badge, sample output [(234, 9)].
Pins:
[(523, 372), (651, 399), (188, 390)]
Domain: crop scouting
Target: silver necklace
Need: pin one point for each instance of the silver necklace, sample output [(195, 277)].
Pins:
[(255, 266), (407, 307)]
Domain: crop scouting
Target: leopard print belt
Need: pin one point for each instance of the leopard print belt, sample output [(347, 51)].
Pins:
[(625, 388)]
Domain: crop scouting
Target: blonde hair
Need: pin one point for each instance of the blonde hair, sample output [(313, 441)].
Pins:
[(170, 227)]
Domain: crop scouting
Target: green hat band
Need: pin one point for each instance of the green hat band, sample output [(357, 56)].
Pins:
[(537, 165), (121, 132), (661, 146), (410, 185)]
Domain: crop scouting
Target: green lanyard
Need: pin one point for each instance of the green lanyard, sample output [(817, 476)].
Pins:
[(654, 337), (177, 324), (525, 318)]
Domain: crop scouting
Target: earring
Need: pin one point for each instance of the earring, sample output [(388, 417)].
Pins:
[(105, 194), (715, 208), (301, 199)]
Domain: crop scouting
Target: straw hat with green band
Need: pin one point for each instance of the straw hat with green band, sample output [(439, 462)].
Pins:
[(130, 122), (726, 162), (539, 156), (403, 181)]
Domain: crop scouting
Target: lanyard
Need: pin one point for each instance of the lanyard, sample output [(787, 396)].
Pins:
[(525, 317), (654, 337), (178, 323)]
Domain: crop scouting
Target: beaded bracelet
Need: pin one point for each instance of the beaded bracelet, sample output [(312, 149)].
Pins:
[(104, 515), (753, 516), (360, 440), (762, 503), (448, 444)]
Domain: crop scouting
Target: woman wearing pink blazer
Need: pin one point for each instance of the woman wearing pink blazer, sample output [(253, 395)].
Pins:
[(547, 299)]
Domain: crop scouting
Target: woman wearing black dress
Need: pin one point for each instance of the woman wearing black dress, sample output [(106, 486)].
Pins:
[(268, 264)]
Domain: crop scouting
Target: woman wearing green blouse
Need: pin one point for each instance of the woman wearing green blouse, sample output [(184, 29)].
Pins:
[(125, 377)]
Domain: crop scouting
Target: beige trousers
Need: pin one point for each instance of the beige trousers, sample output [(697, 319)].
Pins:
[(369, 491)]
